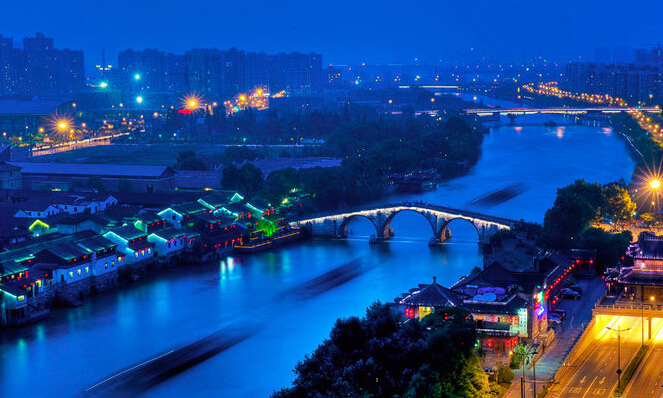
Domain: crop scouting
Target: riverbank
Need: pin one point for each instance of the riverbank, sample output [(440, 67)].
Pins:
[(173, 308)]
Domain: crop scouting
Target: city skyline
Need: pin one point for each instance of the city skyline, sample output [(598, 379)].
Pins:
[(428, 32)]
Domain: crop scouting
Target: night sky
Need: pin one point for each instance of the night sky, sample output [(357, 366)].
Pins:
[(343, 31)]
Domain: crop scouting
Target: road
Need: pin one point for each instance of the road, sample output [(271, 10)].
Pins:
[(648, 378), (594, 373)]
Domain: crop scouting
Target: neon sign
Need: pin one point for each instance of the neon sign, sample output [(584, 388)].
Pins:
[(539, 307)]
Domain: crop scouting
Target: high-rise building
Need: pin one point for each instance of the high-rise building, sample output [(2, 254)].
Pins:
[(39, 67), (631, 82), (142, 70), (175, 73)]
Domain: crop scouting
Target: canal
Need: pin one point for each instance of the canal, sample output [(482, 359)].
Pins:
[(76, 348)]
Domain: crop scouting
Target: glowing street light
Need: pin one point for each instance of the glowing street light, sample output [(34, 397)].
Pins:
[(192, 102), (137, 76), (655, 184), (103, 84), (62, 125), (139, 100)]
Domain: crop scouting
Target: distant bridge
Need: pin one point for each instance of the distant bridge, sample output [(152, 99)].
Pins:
[(336, 225), (558, 110)]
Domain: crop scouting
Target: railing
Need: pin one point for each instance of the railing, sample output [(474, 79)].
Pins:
[(416, 205)]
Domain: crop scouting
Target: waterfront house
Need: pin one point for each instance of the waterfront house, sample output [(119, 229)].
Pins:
[(424, 300), (170, 241), (133, 243), (149, 221), (13, 304), (530, 286), (181, 214), (71, 263), (217, 200), (218, 230), (105, 258)]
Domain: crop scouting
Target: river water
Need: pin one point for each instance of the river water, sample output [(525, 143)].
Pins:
[(76, 348)]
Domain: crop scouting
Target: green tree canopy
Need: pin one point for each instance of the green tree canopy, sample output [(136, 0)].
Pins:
[(618, 203), (382, 356)]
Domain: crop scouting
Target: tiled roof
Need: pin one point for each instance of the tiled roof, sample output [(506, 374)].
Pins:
[(189, 208), (91, 169), (170, 233), (127, 232), (433, 295)]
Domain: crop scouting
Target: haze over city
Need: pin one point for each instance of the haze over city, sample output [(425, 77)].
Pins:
[(346, 31)]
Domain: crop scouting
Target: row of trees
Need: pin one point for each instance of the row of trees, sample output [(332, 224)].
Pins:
[(371, 153), (380, 355), (568, 223)]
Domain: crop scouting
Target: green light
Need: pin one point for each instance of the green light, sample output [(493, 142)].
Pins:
[(103, 84)]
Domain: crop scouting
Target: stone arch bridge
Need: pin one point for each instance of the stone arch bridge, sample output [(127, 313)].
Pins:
[(336, 224)]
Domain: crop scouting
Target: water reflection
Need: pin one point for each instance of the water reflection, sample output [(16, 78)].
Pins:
[(78, 346)]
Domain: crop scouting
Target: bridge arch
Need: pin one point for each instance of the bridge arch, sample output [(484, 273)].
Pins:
[(343, 228), (441, 235), (385, 232)]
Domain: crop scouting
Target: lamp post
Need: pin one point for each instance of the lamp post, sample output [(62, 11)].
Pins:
[(192, 103), (619, 332), (655, 185)]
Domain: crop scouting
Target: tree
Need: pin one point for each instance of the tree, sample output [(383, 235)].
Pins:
[(247, 179), (187, 160), (383, 357), (575, 207), (504, 374), (618, 204), (123, 185), (95, 183), (609, 247)]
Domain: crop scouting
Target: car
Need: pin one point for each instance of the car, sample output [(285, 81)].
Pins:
[(561, 314), (554, 320), (569, 293), (576, 288)]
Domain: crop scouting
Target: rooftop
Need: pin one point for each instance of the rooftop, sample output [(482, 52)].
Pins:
[(433, 295), (92, 169), (127, 233)]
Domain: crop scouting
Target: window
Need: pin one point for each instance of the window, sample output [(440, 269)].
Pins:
[(136, 254), (87, 270), (79, 272), (113, 263), (71, 274), (149, 250), (169, 244), (106, 265)]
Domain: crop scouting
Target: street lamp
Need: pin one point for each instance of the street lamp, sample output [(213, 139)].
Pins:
[(619, 332), (137, 76), (655, 185), (139, 100)]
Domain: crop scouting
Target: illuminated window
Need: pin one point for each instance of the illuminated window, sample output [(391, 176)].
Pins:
[(71, 274), (113, 263), (79, 272), (149, 250), (87, 270), (106, 265)]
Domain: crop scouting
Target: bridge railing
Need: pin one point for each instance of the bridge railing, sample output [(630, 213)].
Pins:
[(414, 205)]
